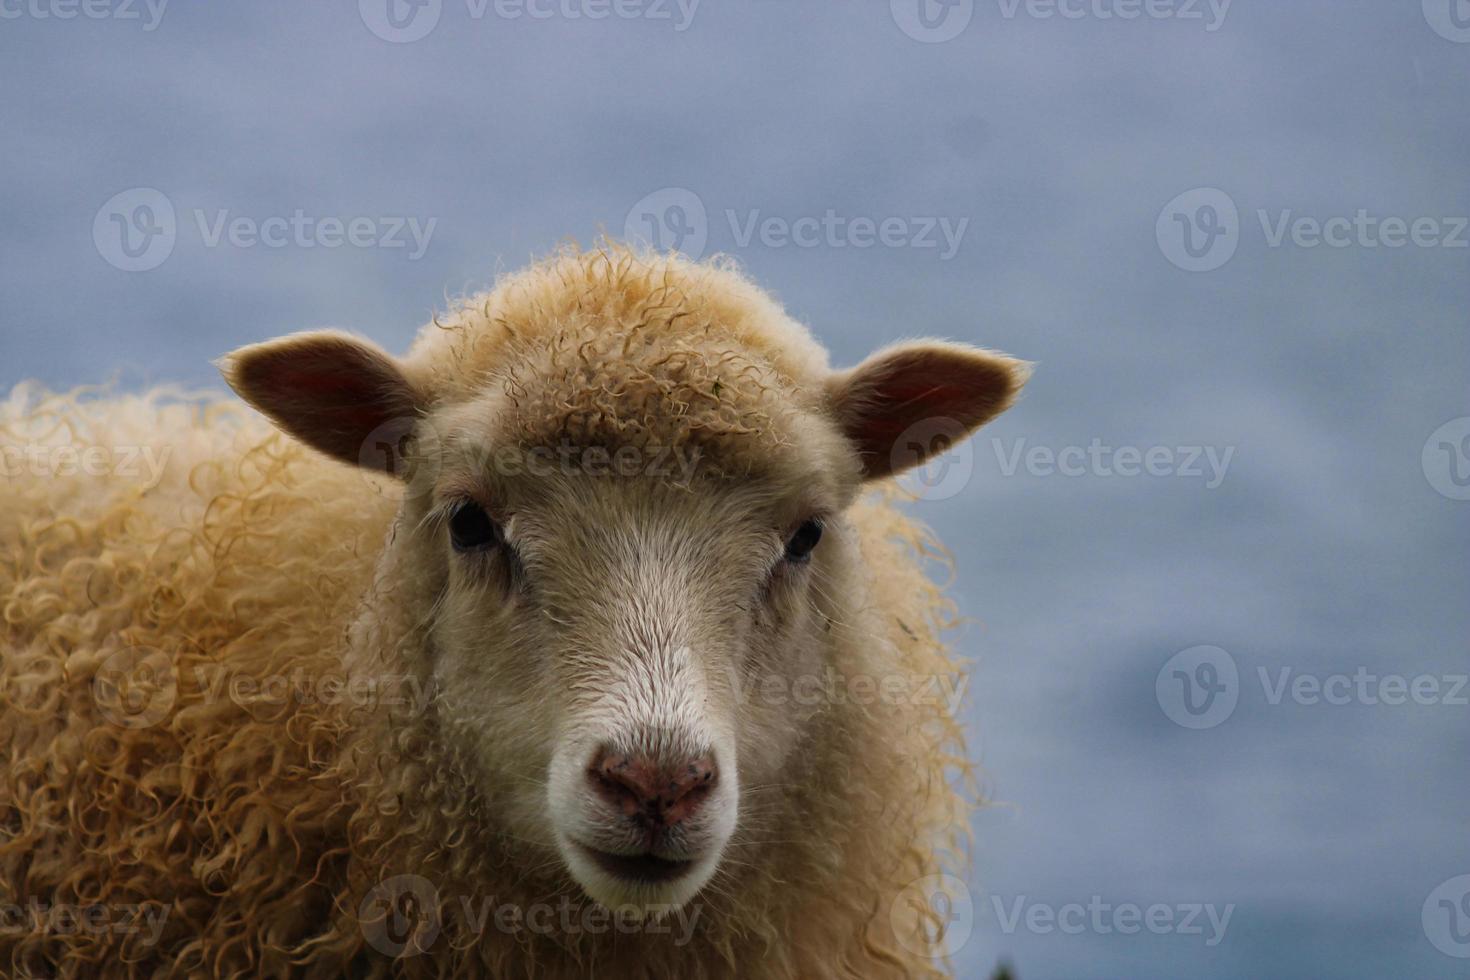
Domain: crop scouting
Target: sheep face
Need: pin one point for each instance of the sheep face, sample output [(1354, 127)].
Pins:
[(602, 617), (603, 621), (598, 651)]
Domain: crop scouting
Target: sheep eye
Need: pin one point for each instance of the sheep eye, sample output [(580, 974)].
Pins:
[(471, 529), (799, 547)]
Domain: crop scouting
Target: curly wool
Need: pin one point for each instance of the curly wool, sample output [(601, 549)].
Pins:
[(155, 758), (615, 348)]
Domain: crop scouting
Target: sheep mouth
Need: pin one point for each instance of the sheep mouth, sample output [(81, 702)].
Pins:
[(643, 868)]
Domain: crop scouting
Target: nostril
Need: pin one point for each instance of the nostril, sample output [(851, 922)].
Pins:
[(620, 781), (640, 787), (698, 776)]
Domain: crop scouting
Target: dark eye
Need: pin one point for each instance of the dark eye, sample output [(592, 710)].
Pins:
[(471, 529), (799, 547)]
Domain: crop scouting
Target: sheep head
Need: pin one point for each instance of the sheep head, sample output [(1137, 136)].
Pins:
[(615, 527)]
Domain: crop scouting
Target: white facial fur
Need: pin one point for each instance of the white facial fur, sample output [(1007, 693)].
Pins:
[(622, 614)]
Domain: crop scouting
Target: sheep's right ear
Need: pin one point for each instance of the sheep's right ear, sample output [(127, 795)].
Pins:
[(328, 389), (915, 399)]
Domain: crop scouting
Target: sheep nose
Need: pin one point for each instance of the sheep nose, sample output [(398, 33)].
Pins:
[(655, 794)]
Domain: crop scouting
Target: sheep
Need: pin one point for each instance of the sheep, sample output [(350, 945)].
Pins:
[(607, 652)]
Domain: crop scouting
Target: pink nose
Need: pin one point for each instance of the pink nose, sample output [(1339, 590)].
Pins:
[(654, 794)]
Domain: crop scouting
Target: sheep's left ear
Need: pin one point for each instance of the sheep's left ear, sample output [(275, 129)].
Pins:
[(908, 402), (329, 389)]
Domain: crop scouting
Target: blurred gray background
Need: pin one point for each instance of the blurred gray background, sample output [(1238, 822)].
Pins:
[(1126, 199)]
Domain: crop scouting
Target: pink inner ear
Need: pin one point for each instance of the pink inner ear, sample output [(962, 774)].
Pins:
[(329, 391), (351, 397), (933, 385), (910, 405), (953, 389)]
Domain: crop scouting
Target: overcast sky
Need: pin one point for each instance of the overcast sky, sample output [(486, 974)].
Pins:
[(1233, 439)]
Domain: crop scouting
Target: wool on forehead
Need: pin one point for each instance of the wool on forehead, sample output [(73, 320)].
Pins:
[(615, 346)]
